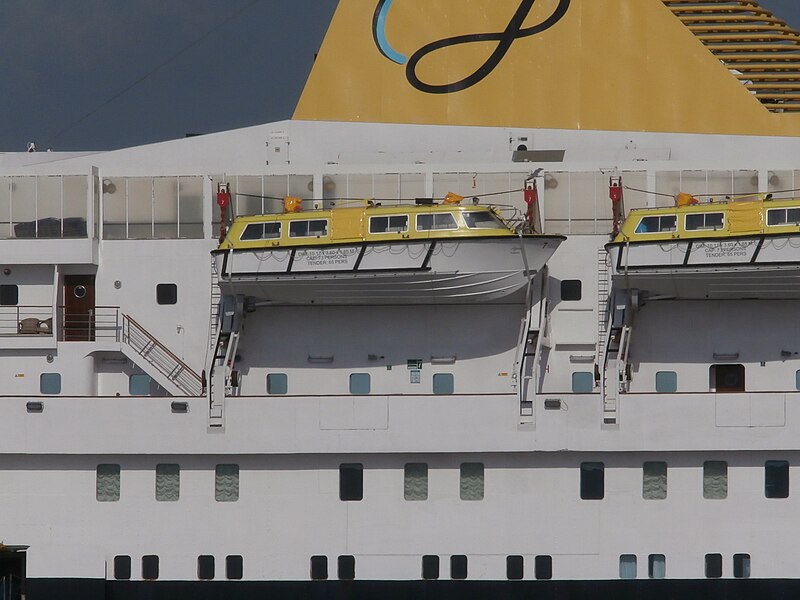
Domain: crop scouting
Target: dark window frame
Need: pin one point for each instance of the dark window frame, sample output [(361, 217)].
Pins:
[(593, 480), (13, 293), (206, 567), (351, 482), (166, 294), (122, 567)]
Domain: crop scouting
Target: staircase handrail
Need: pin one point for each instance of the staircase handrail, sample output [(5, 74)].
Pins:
[(152, 338)]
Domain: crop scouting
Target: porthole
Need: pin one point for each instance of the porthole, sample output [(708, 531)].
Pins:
[(79, 291)]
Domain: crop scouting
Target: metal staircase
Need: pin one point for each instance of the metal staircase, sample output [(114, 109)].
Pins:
[(532, 338), (216, 299), (223, 379), (614, 366), (169, 371)]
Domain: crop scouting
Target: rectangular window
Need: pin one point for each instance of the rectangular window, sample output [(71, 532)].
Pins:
[(714, 566), (443, 383), (705, 221), (656, 566), (107, 486), (9, 295), (50, 383), (226, 483), (234, 567), (415, 482), (122, 567), (319, 567), (390, 224), (458, 566), (666, 382), (543, 567), (261, 231), (316, 228), (776, 479), (727, 378), (436, 222), (139, 384), (482, 220), (168, 483), (592, 481), (150, 566), (627, 566), (582, 382), (515, 567), (359, 383), (471, 487), (347, 567), (797, 379), (167, 293), (571, 290), (715, 480), (430, 566), (657, 224), (351, 482), (277, 383), (741, 566), (654, 480), (783, 216), (205, 567)]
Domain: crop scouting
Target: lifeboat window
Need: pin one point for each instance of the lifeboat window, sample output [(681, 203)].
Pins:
[(702, 221), (657, 224), (482, 220), (261, 231), (783, 216), (393, 224), (741, 566), (319, 567), (715, 480), (430, 566), (776, 479), (315, 228), (436, 222)]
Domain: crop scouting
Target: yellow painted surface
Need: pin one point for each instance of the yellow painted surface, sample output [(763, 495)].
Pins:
[(353, 226), (626, 65), (741, 218)]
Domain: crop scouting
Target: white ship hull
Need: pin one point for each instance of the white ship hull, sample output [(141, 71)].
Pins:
[(447, 271)]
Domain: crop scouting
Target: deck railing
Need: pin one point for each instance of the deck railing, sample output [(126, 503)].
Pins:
[(26, 320)]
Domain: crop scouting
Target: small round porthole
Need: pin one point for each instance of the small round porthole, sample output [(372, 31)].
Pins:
[(79, 291)]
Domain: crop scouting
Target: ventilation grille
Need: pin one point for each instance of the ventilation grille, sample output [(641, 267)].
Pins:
[(760, 50)]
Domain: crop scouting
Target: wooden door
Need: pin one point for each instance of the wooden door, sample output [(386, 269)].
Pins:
[(79, 308)]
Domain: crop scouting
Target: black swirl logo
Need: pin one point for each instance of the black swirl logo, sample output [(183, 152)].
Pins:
[(505, 40)]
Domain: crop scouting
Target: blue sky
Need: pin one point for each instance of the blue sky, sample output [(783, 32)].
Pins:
[(195, 66)]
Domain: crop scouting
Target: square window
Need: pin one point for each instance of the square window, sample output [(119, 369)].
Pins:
[(415, 481), (592, 481), (741, 566), (359, 383), (168, 483), (571, 290), (656, 566), (543, 567), (226, 483), (583, 382), (666, 382), (9, 295), (713, 566), (443, 383), (347, 567), (727, 378), (234, 568), (107, 487), (351, 482), (776, 479), (277, 383), (167, 293), (122, 567), (627, 566), (139, 384), (715, 480), (458, 566), (430, 566), (50, 383), (150, 566), (319, 567), (515, 567), (205, 567), (654, 480), (472, 482)]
